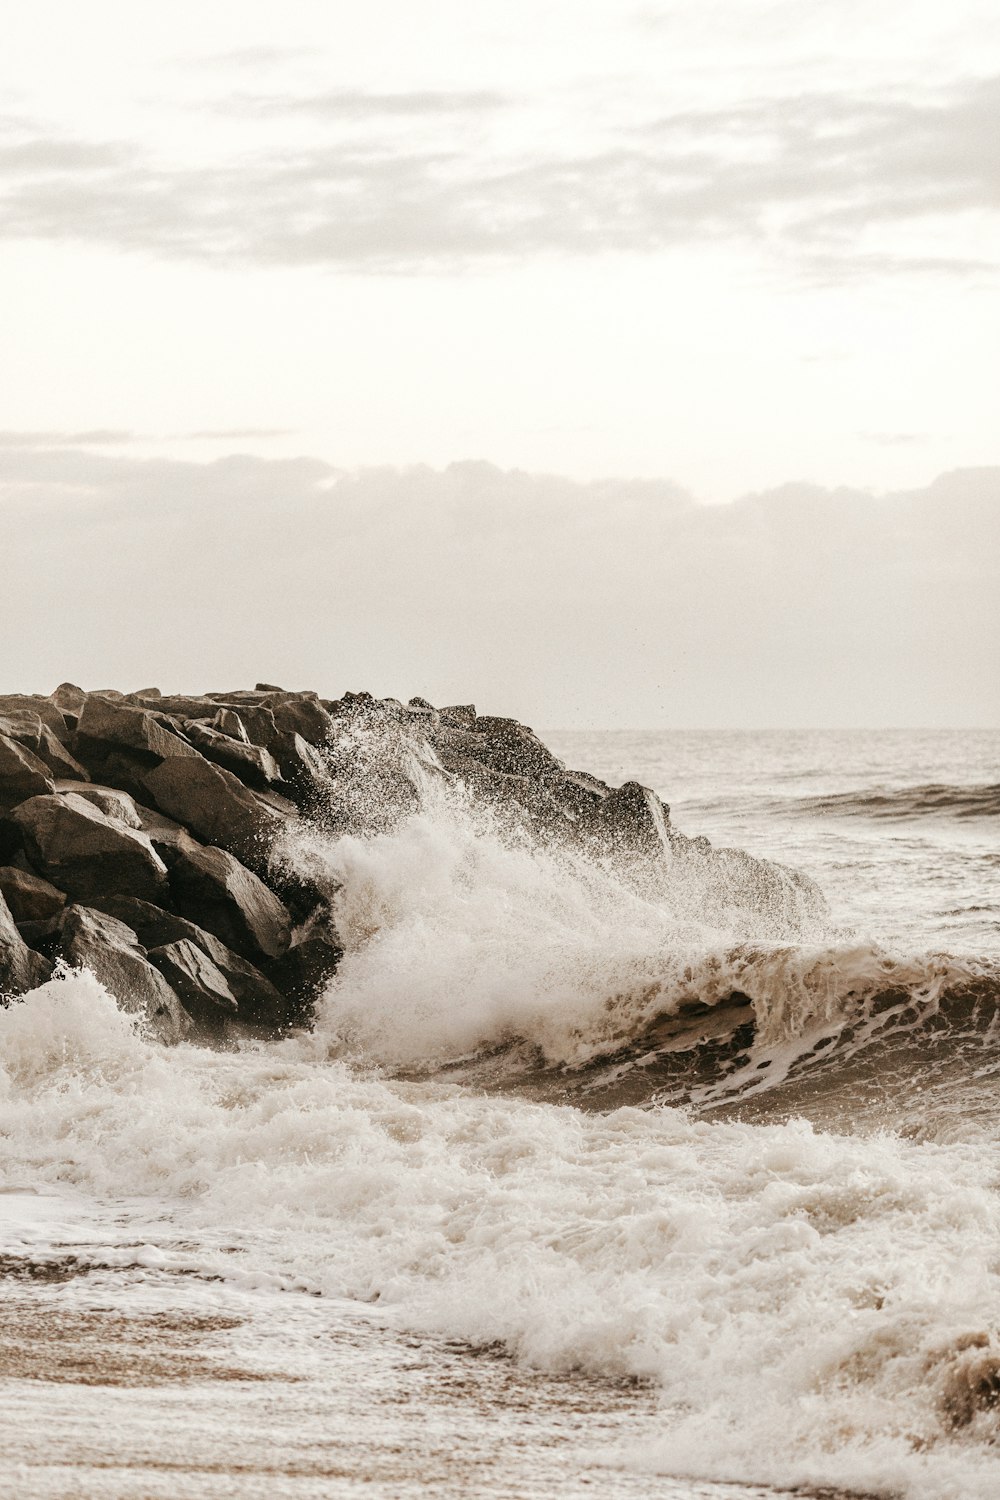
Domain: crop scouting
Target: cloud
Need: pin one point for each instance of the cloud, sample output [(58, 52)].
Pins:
[(615, 603), (827, 184), (99, 437)]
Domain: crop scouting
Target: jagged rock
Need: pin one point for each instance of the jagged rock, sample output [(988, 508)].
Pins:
[(260, 1002), (459, 715), (29, 897), (22, 774), (21, 968), (69, 699), (228, 721), (514, 749), (178, 705), (421, 703), (630, 820), (43, 708), (112, 952), (211, 888), (302, 972), (302, 715), (70, 841), (116, 805), (254, 765), (199, 985), (215, 805), (107, 727), (29, 730)]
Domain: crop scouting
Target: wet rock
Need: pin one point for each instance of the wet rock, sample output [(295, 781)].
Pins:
[(459, 715), (211, 888), (21, 968), (111, 951), (514, 749), (630, 820), (304, 716), (29, 897), (252, 764), (302, 973), (72, 843), (196, 981), (215, 805), (22, 774), (260, 1002)]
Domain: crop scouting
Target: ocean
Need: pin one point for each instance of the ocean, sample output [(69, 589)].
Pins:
[(588, 1180)]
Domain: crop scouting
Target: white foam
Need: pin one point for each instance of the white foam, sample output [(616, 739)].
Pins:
[(799, 1297)]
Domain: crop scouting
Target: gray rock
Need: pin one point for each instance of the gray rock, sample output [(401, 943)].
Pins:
[(253, 764), (44, 708), (22, 774), (105, 727), (196, 981), (72, 843), (29, 897), (211, 888), (21, 968), (459, 715), (215, 805), (69, 699), (514, 749), (112, 952), (630, 820), (116, 805), (260, 1002), (32, 732), (228, 721)]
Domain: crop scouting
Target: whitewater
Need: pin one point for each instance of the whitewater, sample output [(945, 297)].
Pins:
[(587, 1178)]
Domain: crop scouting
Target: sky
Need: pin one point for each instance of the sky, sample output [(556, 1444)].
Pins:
[(610, 363)]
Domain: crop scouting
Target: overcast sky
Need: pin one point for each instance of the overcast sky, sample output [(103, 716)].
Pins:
[(300, 304)]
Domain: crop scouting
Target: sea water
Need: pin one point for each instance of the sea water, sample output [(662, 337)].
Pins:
[(586, 1180)]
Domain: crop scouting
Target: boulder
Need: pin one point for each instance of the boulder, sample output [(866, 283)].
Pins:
[(29, 897), (260, 1002), (106, 727), (512, 748), (74, 844), (111, 951), (32, 732), (253, 764), (69, 699), (212, 889), (459, 715), (21, 968), (303, 715), (302, 972), (228, 721), (630, 820), (215, 805), (197, 983), (43, 708), (22, 774), (116, 805)]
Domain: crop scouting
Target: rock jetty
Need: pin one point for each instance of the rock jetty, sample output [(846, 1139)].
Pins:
[(140, 836)]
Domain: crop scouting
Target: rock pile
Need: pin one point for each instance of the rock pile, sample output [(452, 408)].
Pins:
[(137, 835)]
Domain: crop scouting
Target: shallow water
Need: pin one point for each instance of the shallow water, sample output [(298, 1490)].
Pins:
[(295, 1271)]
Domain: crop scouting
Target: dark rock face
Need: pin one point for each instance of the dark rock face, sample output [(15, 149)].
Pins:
[(631, 820), (260, 1003), (211, 888), (305, 969), (21, 968), (198, 983), (252, 764), (105, 726), (111, 951), (73, 844), (29, 897), (22, 774)]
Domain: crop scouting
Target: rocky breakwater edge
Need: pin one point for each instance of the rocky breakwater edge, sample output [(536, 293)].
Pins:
[(146, 837)]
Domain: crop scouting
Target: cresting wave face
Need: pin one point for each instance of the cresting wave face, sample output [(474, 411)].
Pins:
[(471, 944)]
